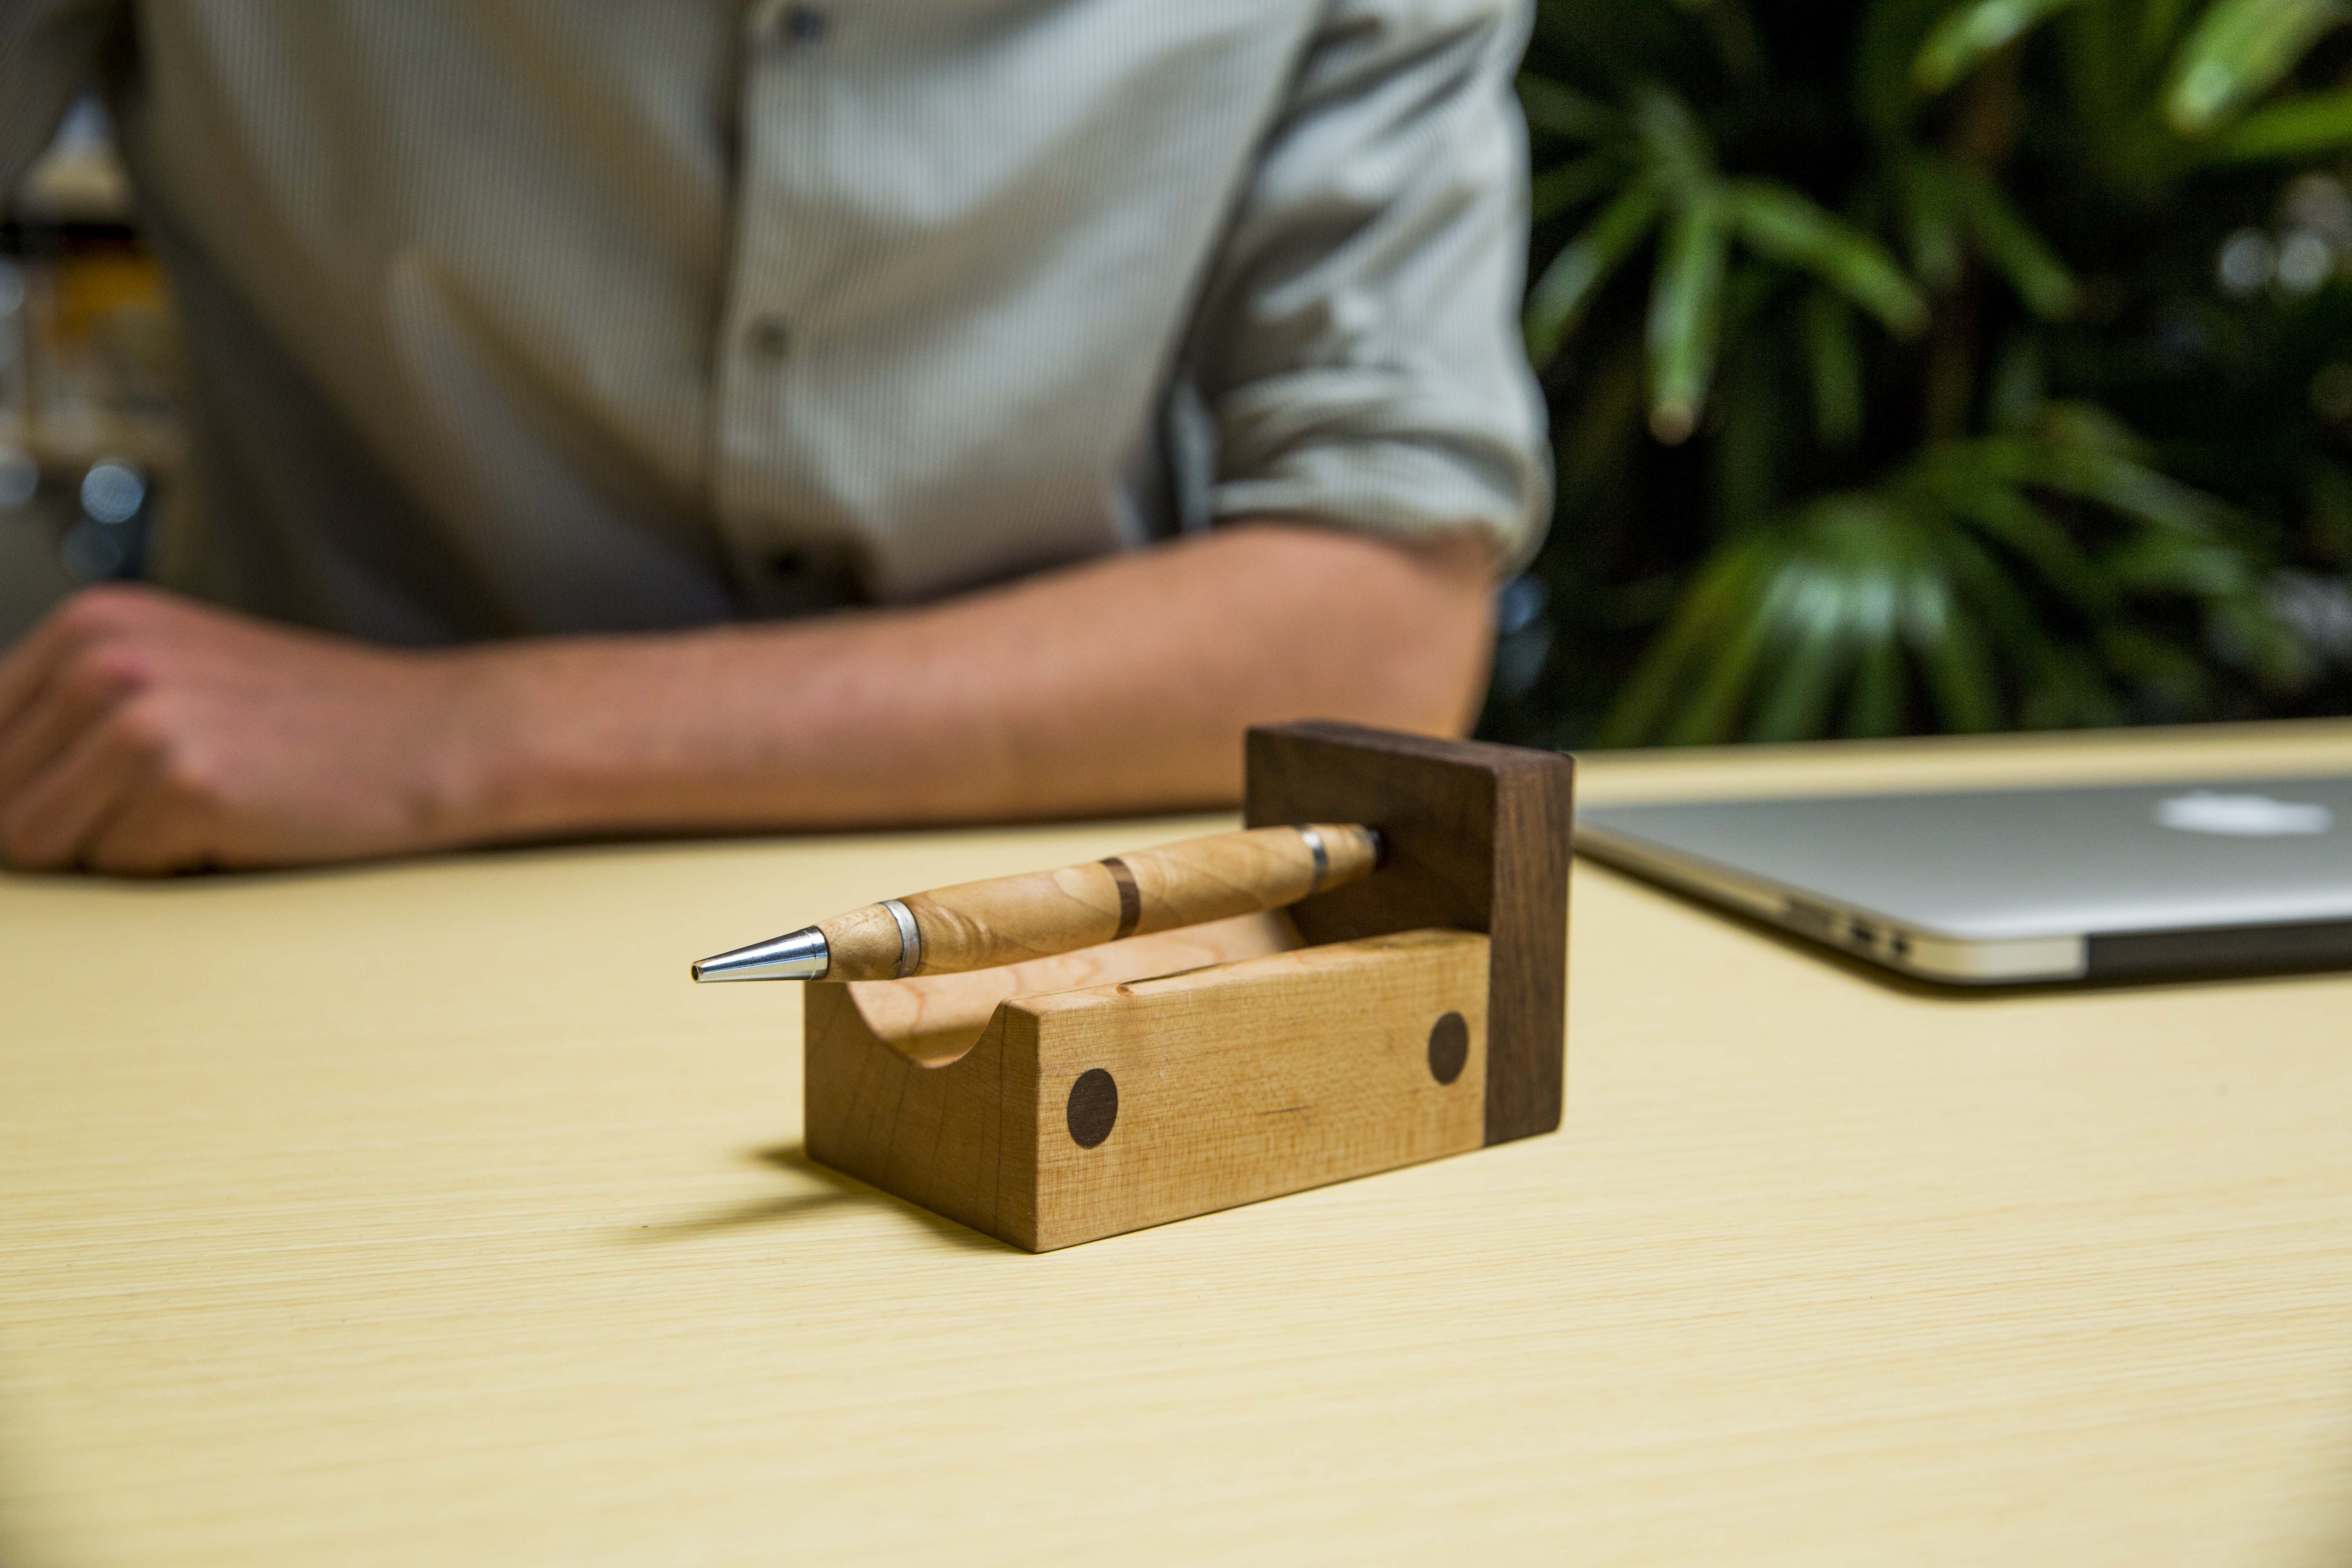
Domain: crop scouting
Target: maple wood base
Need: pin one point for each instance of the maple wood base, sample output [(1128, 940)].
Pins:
[(1081, 1114)]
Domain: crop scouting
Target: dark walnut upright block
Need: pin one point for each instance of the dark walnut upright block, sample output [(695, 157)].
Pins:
[(1479, 840)]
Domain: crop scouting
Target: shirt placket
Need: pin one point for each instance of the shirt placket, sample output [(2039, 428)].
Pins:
[(758, 477)]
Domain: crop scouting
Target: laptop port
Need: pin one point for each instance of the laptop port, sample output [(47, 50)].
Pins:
[(1861, 933), (1809, 917)]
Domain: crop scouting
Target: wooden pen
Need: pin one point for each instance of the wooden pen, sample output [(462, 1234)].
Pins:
[(1007, 920)]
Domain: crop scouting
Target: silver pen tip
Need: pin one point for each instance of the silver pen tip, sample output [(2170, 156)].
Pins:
[(802, 955)]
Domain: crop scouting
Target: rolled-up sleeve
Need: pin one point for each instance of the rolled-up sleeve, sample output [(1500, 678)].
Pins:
[(1358, 347), (47, 50)]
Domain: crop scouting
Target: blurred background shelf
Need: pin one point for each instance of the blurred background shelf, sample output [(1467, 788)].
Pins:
[(91, 426)]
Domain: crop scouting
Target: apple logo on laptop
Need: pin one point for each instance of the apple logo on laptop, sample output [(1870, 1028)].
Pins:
[(2242, 816)]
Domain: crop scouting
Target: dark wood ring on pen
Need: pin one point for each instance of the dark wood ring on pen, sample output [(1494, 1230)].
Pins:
[(1130, 898)]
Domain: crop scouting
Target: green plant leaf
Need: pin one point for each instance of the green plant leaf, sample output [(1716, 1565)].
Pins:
[(1679, 154), (1931, 220), (1685, 311), (1796, 701), (2253, 639), (2159, 25), (2069, 422), (1961, 674), (1790, 227), (1966, 36), (2113, 481), (2312, 125), (2238, 50), (1756, 421), (1556, 190), (2012, 248), (1835, 359), (2012, 621), (1876, 708), (2005, 514), (2020, 387), (1712, 715), (2158, 562), (2065, 692), (1711, 613), (1564, 111), (1585, 263), (2152, 663), (1889, 37), (1954, 653), (2015, 622), (1853, 564)]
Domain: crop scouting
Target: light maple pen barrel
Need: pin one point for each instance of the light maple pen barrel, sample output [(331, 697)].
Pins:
[(1010, 919)]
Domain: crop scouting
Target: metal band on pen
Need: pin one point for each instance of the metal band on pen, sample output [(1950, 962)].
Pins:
[(910, 938), (1315, 846)]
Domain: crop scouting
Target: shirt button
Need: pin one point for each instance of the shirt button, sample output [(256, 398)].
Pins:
[(769, 337), (803, 25)]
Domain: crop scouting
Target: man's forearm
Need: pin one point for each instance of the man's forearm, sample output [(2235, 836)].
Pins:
[(1121, 684), (141, 733)]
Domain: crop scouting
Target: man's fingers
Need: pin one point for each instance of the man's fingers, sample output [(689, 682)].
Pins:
[(150, 833), (51, 821), (80, 692), (73, 670), (26, 667), (86, 625), (89, 618)]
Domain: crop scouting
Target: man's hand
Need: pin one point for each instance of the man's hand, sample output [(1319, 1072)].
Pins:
[(143, 734)]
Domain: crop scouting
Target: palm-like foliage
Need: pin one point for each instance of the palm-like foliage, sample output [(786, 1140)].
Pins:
[(1664, 178), (1952, 577), (1883, 284)]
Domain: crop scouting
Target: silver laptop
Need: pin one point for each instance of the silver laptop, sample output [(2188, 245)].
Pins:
[(2003, 887)]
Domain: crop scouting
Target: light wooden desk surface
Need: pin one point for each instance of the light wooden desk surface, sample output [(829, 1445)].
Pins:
[(424, 1214)]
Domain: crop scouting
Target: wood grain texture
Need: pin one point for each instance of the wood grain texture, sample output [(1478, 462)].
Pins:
[(865, 943), (326, 1243), (1478, 840), (1006, 921), (1244, 1081), (956, 1137), (1255, 1079)]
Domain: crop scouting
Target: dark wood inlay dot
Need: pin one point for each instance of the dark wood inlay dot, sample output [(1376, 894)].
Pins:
[(1449, 1047), (1094, 1106)]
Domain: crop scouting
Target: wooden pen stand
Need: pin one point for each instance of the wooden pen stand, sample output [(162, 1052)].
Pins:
[(1417, 1012)]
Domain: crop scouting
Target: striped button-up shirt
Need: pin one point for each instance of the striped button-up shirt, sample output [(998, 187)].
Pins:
[(509, 316)]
